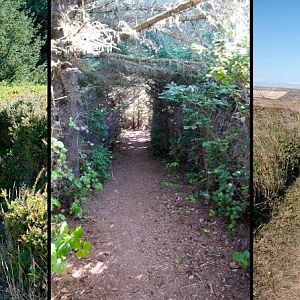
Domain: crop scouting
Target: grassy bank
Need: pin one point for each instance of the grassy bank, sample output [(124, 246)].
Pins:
[(276, 156), (277, 200), (276, 251)]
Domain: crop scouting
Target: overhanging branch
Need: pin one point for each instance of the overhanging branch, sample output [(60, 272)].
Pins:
[(167, 14), (164, 15)]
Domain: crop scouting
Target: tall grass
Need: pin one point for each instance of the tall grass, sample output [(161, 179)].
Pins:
[(276, 154), (16, 283)]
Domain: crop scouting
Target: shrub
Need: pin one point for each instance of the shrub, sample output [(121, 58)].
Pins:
[(206, 133), (98, 126), (100, 161), (25, 222), (23, 132)]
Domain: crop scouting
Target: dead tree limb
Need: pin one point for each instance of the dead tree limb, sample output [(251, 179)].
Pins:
[(166, 14)]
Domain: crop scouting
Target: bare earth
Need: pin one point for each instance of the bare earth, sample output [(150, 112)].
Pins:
[(151, 243)]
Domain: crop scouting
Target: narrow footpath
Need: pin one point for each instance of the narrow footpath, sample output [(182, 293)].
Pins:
[(149, 242)]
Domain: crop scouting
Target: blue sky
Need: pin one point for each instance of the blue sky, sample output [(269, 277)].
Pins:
[(277, 43)]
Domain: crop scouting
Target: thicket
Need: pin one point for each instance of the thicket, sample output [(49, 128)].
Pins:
[(276, 148), (23, 134), (23, 151), (206, 132)]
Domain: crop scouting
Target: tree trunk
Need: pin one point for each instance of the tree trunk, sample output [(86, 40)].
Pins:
[(65, 106)]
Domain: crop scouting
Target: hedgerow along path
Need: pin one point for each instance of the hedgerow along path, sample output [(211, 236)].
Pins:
[(149, 242)]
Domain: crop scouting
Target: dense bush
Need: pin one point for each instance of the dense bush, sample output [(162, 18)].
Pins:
[(25, 221), (205, 136), (23, 132), (206, 132), (100, 160)]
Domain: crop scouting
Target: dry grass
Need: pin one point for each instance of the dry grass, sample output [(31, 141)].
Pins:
[(276, 161), (277, 252), (293, 105), (276, 151)]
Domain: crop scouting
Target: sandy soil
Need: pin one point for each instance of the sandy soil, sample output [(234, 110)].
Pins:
[(269, 94), (151, 243)]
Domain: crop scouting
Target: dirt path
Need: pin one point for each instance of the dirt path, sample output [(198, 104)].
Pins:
[(151, 243)]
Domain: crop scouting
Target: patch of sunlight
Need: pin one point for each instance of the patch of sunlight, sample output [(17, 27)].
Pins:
[(98, 268)]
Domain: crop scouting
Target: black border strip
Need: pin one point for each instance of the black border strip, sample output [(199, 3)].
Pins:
[(49, 147), (251, 153)]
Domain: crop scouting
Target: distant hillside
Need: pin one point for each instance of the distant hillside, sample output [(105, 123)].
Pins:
[(274, 93)]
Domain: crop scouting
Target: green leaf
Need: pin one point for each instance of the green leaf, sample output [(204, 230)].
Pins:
[(64, 228), (78, 232), (59, 266), (85, 251), (64, 250)]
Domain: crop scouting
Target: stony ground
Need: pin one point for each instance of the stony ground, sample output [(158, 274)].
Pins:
[(149, 242)]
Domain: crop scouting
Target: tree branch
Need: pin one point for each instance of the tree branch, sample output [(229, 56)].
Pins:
[(167, 14), (160, 61)]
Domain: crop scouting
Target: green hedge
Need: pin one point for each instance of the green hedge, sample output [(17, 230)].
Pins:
[(23, 134)]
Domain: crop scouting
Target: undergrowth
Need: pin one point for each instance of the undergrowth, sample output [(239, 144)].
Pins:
[(70, 193), (23, 219), (23, 254), (206, 134)]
